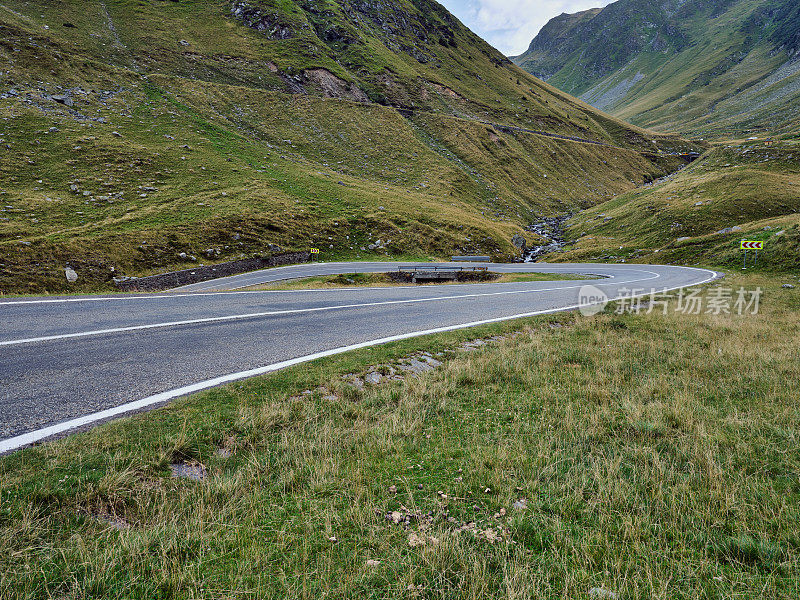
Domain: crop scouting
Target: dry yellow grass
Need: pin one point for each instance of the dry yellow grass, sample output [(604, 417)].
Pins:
[(643, 455)]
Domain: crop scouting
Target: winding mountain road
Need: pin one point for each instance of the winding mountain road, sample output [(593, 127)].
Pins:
[(69, 362)]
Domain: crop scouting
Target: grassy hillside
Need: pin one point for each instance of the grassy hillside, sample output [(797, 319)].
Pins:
[(149, 135), (734, 192), (704, 67)]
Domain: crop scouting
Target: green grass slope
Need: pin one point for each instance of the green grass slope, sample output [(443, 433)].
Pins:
[(699, 215), (143, 136), (704, 67)]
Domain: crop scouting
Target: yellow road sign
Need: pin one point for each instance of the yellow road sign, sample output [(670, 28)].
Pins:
[(751, 245), (315, 251)]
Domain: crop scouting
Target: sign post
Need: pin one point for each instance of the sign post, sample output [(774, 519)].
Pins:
[(314, 253), (751, 245)]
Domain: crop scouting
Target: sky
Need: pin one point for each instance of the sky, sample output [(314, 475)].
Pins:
[(510, 25)]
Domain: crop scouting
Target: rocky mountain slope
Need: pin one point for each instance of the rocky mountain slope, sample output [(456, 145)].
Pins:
[(717, 68), (143, 136)]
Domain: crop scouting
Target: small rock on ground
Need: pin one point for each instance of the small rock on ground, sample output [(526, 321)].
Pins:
[(416, 366), (354, 380), (195, 472), (602, 593), (473, 345), (374, 378), (432, 361)]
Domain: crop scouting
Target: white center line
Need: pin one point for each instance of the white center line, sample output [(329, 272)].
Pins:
[(96, 332)]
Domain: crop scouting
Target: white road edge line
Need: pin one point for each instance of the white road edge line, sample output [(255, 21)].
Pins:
[(32, 437), (296, 311)]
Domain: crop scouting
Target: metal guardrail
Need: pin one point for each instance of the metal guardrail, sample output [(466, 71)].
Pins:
[(435, 269)]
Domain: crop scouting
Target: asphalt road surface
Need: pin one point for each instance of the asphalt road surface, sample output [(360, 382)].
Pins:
[(70, 362)]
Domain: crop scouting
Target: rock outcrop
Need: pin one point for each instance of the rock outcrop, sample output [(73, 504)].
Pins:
[(333, 86)]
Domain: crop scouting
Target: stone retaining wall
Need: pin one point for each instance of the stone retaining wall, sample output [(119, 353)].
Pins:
[(166, 281)]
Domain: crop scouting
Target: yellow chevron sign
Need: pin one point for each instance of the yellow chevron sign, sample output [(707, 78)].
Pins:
[(315, 251), (751, 245)]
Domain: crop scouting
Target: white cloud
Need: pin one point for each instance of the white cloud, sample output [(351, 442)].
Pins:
[(510, 25)]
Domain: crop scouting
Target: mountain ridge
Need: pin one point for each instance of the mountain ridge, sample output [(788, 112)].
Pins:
[(713, 67)]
